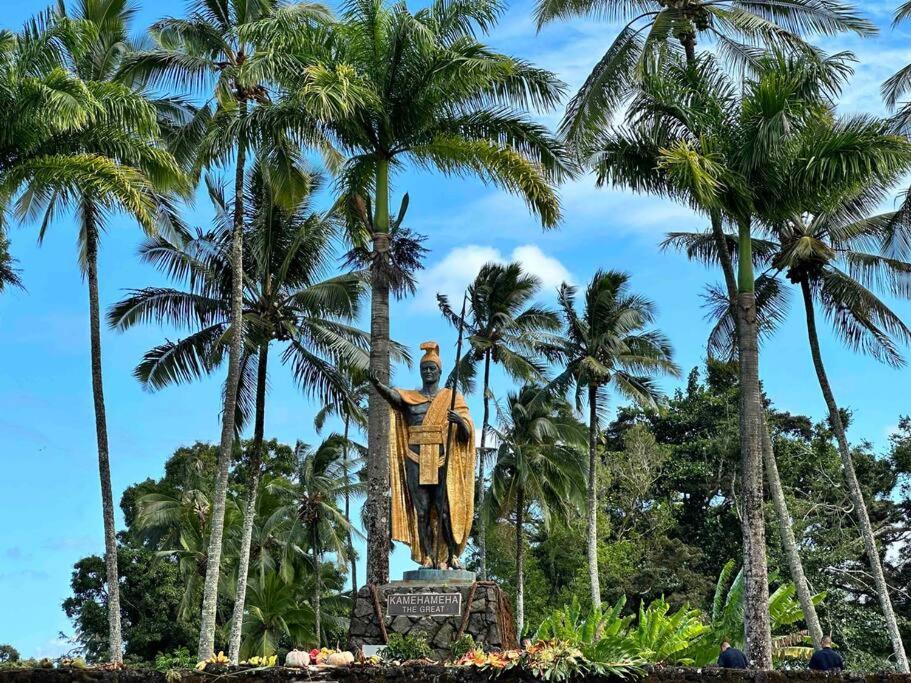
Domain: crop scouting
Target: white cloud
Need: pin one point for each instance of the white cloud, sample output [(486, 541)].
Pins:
[(458, 268)]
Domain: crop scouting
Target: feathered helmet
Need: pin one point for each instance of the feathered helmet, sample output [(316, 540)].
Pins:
[(431, 353)]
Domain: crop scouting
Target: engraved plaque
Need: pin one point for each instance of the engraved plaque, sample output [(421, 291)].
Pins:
[(424, 604)]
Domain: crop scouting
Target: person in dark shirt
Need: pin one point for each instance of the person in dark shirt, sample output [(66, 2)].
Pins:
[(732, 658), (826, 659)]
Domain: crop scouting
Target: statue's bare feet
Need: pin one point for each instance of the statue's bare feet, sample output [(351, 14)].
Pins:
[(454, 563), (443, 566), (427, 563)]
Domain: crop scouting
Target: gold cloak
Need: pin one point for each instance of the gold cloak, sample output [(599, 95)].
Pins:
[(460, 476)]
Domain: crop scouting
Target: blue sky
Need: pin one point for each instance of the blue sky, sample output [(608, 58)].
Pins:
[(50, 502)]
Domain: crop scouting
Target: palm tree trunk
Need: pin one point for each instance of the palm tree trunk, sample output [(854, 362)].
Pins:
[(377, 505), (592, 507), (348, 512), (482, 530), (318, 588), (795, 566), (757, 627), (785, 529), (213, 556), (101, 434), (857, 496), (243, 563), (520, 561)]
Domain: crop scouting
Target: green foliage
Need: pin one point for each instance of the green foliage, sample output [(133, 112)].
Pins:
[(662, 636), (179, 658), (151, 592), (462, 646), (405, 648), (8, 654)]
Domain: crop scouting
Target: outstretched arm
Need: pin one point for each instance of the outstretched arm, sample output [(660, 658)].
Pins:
[(391, 396)]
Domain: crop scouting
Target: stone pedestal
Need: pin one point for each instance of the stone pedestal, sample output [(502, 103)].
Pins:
[(442, 607)]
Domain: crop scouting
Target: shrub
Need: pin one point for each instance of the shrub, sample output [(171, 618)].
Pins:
[(8, 653), (462, 646), (405, 648), (176, 659)]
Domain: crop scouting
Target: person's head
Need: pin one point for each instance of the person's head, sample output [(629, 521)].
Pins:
[(826, 641), (431, 366), (725, 645)]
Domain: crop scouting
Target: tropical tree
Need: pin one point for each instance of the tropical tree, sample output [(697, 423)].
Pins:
[(607, 345), (421, 104), (174, 519), (352, 407), (539, 465), (735, 27), (120, 144), (838, 254), (208, 52), (699, 139), (287, 299), (9, 274), (503, 326), (319, 524)]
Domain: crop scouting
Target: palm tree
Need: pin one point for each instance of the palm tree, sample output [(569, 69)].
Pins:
[(122, 141), (321, 479), (503, 327), (353, 409), (608, 345), (697, 138), (9, 274), (539, 464), (175, 522), (207, 52), (286, 300), (421, 104), (735, 27), (838, 253)]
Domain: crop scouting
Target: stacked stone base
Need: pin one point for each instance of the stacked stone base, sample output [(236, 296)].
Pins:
[(486, 616)]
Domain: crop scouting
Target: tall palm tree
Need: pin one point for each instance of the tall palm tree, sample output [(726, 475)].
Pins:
[(207, 52), (287, 299), (503, 326), (123, 136), (422, 105), (352, 407), (838, 258), (735, 27), (607, 345), (695, 137), (539, 465)]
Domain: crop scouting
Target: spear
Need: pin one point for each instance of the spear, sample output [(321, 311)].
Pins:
[(455, 375)]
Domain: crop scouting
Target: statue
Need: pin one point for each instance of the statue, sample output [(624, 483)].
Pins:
[(432, 482)]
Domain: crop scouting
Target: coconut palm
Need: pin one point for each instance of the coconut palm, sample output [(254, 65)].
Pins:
[(206, 52), (503, 326), (9, 274), (838, 258), (539, 465), (121, 140), (422, 105), (352, 407), (736, 28), (698, 138), (288, 299), (318, 523), (175, 522), (607, 345)]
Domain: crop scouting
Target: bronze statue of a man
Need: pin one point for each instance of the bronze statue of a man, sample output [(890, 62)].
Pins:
[(432, 480)]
